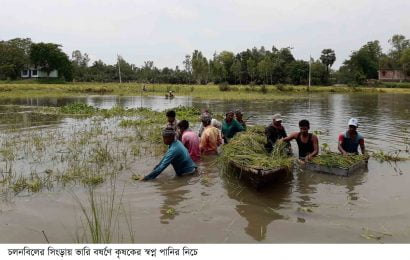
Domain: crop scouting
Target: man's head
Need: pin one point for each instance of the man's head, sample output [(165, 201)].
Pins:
[(168, 136), (238, 114), (229, 116), (304, 126), (183, 125), (277, 119), (353, 124), (171, 116), (206, 119)]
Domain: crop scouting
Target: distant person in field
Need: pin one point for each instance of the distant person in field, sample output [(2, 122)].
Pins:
[(308, 143), (350, 140), (210, 138), (230, 126), (239, 118), (189, 139), (177, 155), (275, 131)]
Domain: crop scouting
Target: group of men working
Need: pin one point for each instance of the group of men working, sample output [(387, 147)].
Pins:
[(186, 146)]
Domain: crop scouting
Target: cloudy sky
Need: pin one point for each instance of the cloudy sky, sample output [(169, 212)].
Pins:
[(165, 30)]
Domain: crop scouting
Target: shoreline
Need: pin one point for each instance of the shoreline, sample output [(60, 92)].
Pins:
[(212, 92)]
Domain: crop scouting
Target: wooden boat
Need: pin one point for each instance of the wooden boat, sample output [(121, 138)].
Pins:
[(258, 177)]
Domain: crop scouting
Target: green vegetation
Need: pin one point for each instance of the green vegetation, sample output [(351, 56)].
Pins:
[(388, 157), (101, 217), (337, 160), (247, 149)]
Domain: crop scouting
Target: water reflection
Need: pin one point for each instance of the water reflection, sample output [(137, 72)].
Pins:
[(25, 119), (258, 208), (174, 192), (308, 182)]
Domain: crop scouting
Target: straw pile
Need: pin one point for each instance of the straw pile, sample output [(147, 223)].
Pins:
[(247, 149), (336, 160)]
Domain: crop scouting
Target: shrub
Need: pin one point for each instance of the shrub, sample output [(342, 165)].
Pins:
[(280, 87), (224, 86), (264, 89)]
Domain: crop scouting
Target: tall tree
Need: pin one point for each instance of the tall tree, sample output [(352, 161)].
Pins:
[(236, 70), (328, 57), (399, 44), (405, 61), (199, 67)]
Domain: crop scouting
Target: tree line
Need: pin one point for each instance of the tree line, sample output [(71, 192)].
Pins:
[(251, 66)]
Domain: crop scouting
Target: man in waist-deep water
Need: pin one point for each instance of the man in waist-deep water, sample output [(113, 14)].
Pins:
[(177, 155), (350, 140)]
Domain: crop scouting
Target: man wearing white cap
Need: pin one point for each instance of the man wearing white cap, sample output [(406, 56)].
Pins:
[(351, 139), (274, 132)]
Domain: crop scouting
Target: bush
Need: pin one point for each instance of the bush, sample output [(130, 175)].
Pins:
[(224, 86), (280, 87), (396, 84), (264, 89)]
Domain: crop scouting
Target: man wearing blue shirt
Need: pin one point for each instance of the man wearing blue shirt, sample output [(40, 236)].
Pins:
[(177, 155)]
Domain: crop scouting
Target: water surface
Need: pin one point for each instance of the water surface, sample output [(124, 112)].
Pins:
[(212, 208)]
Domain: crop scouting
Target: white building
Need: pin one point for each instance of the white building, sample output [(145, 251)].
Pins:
[(34, 72)]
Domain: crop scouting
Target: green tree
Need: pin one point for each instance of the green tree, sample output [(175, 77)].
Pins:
[(236, 70), (405, 61), (50, 57), (299, 72), (188, 67), (319, 74), (200, 69), (14, 56), (328, 57), (399, 44), (251, 68)]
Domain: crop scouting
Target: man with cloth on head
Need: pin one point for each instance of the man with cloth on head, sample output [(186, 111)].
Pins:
[(214, 122), (177, 155), (351, 139), (210, 138)]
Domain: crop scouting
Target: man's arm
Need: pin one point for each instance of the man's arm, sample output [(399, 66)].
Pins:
[(362, 147), (238, 126), (166, 160), (340, 145), (292, 136), (315, 141), (202, 142)]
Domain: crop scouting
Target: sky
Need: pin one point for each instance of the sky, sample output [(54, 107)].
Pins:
[(164, 31)]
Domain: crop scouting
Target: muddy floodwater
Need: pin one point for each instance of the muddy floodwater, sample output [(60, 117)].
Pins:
[(371, 206)]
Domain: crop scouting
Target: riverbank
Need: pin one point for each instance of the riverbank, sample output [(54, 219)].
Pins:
[(236, 92)]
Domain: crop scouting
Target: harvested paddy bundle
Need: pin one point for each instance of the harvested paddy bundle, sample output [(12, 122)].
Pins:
[(247, 149), (337, 160), (246, 157)]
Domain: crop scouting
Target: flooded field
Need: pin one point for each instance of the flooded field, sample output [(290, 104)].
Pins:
[(55, 168)]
